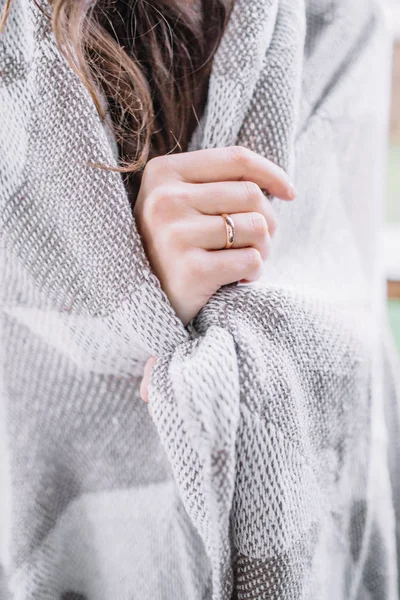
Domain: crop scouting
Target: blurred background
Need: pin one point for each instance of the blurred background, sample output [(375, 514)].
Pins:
[(391, 234)]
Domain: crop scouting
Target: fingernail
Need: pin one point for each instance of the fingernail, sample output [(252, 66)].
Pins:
[(291, 191)]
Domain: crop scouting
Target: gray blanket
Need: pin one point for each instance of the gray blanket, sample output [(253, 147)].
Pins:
[(270, 467)]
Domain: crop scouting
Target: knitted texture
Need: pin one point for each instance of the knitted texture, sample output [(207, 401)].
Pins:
[(270, 469)]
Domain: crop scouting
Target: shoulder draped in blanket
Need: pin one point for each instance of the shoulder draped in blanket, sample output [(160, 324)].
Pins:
[(269, 468)]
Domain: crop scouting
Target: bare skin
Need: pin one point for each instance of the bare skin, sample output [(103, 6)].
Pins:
[(178, 213)]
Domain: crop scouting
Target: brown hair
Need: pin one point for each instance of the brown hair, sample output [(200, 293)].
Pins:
[(150, 59)]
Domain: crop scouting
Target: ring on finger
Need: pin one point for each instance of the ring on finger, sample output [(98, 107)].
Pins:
[(230, 230)]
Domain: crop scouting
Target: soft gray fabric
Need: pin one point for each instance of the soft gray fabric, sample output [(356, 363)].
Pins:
[(271, 468)]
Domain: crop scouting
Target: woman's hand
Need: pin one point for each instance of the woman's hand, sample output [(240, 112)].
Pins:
[(178, 213)]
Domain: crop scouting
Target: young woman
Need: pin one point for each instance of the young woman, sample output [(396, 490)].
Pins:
[(145, 153)]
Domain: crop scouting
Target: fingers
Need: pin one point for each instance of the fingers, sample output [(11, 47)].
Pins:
[(228, 197), (209, 232), (178, 213), (228, 266), (234, 163), (144, 386), (251, 230)]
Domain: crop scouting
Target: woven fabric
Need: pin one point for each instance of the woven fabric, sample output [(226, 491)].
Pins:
[(270, 467)]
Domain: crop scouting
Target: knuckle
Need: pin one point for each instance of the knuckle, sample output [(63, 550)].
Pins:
[(155, 165), (254, 260), (181, 194), (252, 191), (159, 202), (171, 236), (176, 235), (153, 204), (166, 194), (259, 225), (241, 155)]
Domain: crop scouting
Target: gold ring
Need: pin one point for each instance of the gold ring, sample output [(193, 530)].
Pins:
[(230, 230)]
